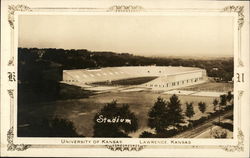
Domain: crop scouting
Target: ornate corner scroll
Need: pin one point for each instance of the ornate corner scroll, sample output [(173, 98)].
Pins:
[(239, 10), (13, 9), (11, 61), (240, 63), (239, 147), (240, 93), (124, 8), (125, 147), (11, 93), (14, 147)]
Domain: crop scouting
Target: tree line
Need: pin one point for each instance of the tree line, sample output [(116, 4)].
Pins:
[(165, 117), (40, 70), (82, 59)]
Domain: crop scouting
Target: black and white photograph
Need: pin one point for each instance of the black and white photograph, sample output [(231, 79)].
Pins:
[(141, 76), (124, 78)]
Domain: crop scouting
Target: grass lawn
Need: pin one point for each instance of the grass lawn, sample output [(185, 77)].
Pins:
[(129, 81), (210, 86), (81, 111)]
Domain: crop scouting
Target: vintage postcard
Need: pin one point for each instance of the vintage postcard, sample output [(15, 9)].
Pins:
[(125, 78)]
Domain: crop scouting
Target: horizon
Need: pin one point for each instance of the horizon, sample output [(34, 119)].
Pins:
[(152, 56)]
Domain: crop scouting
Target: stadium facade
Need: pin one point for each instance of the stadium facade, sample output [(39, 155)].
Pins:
[(166, 77)]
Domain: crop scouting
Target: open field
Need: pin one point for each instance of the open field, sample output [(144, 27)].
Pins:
[(128, 81), (82, 111), (210, 86)]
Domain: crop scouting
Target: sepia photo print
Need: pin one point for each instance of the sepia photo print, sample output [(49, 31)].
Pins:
[(124, 78), (141, 76)]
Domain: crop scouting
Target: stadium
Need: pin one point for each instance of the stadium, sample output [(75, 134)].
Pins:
[(151, 77)]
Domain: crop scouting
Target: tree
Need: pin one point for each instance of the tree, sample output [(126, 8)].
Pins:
[(165, 116), (215, 103), (189, 110), (174, 112), (146, 134), (114, 121), (223, 100), (157, 115), (202, 106), (229, 96)]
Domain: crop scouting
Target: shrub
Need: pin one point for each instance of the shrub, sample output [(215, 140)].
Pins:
[(218, 134), (147, 134), (49, 128)]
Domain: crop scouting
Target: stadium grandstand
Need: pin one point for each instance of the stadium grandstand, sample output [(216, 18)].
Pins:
[(154, 77)]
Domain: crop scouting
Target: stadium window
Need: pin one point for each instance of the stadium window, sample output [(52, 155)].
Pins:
[(155, 85), (182, 82), (148, 71), (167, 84), (178, 83), (187, 81), (159, 71)]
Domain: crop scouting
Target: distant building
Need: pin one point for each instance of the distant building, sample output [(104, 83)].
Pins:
[(168, 77)]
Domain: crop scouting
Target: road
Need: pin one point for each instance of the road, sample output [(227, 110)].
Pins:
[(203, 127)]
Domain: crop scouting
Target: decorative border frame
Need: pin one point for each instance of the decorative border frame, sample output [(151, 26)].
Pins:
[(119, 8)]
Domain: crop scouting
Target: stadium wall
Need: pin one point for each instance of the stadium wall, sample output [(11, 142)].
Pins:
[(168, 77)]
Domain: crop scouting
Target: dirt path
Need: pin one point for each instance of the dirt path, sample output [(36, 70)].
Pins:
[(203, 127)]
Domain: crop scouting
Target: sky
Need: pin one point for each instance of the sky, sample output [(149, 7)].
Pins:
[(208, 36)]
